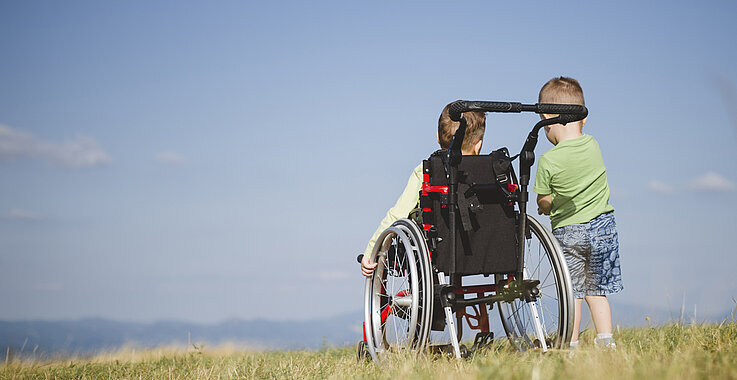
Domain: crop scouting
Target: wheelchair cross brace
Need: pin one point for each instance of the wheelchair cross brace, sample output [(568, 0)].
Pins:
[(510, 292)]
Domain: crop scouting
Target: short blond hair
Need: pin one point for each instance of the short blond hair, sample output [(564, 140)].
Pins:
[(475, 127), (562, 90)]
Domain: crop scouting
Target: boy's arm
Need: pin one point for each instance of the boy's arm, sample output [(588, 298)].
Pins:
[(544, 204), (542, 186)]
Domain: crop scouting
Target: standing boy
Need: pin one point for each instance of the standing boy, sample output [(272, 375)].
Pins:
[(572, 188), (475, 127)]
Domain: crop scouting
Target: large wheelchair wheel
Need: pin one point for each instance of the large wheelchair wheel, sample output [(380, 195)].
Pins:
[(547, 320), (398, 298)]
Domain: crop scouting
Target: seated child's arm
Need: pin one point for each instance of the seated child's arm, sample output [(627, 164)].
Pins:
[(405, 204), (544, 204)]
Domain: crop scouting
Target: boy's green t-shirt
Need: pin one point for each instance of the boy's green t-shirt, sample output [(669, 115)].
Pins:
[(574, 173)]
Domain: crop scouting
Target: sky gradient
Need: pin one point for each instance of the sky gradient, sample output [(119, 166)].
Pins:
[(205, 161)]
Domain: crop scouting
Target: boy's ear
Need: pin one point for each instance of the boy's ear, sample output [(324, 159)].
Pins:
[(477, 146)]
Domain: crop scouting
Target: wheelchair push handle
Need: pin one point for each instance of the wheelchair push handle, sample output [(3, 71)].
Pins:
[(568, 112), (572, 112), (457, 108)]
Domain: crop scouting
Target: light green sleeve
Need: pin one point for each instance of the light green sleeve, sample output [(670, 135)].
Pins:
[(405, 204)]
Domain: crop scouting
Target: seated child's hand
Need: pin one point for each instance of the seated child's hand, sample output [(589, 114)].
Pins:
[(367, 267)]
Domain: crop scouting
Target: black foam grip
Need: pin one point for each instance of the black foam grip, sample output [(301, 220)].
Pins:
[(571, 109), (495, 106), (569, 118), (457, 108)]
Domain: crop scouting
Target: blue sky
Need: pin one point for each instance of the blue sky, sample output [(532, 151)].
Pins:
[(205, 161)]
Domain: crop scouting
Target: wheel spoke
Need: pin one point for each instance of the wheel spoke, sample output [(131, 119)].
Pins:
[(543, 261), (547, 277)]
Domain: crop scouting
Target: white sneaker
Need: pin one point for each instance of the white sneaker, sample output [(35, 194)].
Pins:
[(572, 349), (605, 342)]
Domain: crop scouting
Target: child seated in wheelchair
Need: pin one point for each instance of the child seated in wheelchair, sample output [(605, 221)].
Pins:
[(475, 127), (572, 188)]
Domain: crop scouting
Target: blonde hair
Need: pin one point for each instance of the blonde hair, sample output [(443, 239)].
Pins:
[(561, 90), (475, 127)]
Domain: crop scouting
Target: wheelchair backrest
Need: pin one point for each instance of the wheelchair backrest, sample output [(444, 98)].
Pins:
[(486, 237)]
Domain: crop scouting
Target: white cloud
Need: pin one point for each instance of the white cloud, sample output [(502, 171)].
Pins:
[(25, 215), (712, 182), (170, 158), (659, 187), (80, 152)]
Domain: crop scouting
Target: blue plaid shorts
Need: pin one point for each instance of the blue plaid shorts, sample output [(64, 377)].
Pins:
[(592, 252)]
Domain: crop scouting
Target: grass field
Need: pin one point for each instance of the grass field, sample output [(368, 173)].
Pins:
[(673, 351)]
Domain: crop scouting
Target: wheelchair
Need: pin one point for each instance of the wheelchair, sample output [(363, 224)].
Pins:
[(471, 224)]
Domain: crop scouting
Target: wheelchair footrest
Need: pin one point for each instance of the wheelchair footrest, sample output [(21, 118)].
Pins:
[(447, 350), (482, 340)]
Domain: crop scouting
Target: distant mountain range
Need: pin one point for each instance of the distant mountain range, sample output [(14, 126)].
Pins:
[(88, 336)]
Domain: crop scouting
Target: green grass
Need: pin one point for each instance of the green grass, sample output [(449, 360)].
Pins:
[(666, 352)]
